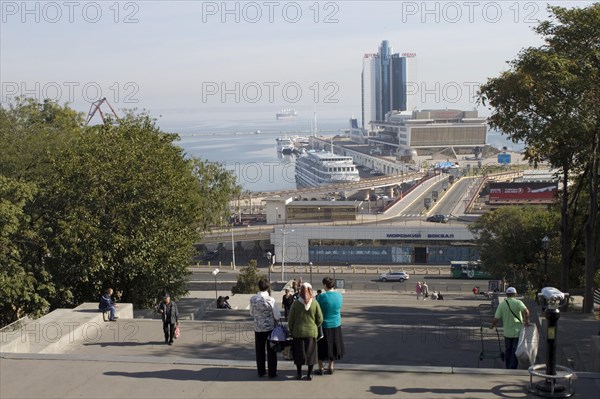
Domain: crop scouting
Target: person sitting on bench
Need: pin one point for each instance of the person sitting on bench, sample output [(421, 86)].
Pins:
[(222, 303), (107, 304)]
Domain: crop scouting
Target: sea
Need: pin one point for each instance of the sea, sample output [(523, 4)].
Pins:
[(248, 148)]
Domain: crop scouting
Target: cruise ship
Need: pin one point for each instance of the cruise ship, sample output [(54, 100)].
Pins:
[(285, 145), (319, 168), (287, 113)]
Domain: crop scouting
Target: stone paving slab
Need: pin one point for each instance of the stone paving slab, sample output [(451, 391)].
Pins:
[(164, 378)]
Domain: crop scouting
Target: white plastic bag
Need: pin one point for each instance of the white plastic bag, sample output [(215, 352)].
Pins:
[(528, 346)]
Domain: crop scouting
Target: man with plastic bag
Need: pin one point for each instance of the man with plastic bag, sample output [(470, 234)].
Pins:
[(514, 315)]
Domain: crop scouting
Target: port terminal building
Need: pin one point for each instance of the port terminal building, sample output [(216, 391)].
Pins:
[(331, 232), (430, 131), (431, 244)]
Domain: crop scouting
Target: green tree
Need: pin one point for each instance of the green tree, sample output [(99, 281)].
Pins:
[(549, 98), (509, 243), (123, 209), (24, 286), (247, 282), (117, 205)]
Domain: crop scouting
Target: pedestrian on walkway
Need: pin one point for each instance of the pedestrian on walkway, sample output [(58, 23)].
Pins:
[(286, 302), (418, 289), (170, 318), (514, 315), (305, 318), (331, 347), (266, 313), (425, 289)]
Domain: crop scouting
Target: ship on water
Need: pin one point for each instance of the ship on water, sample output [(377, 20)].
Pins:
[(286, 113), (285, 145), (320, 168)]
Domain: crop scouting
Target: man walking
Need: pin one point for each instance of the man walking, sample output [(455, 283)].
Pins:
[(170, 318), (514, 315)]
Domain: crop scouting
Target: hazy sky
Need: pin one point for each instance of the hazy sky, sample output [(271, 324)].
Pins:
[(190, 60)]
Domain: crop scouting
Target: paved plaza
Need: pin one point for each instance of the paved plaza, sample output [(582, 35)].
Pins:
[(396, 346)]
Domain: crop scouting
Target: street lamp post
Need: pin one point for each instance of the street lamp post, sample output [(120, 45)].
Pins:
[(214, 273), (232, 249), (284, 232), (269, 257), (545, 244), (310, 265)]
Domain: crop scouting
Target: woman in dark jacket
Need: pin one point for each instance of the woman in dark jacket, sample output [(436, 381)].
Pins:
[(170, 318), (305, 318)]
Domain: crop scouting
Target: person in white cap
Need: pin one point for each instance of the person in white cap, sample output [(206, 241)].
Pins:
[(514, 314)]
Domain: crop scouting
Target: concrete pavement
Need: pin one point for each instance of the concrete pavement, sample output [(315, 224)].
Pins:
[(396, 346)]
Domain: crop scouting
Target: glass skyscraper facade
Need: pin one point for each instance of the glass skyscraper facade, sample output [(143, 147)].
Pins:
[(384, 84)]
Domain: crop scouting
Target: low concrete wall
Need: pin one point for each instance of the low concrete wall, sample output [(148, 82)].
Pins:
[(53, 332), (11, 339)]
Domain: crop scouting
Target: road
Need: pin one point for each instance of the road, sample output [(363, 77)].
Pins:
[(203, 280)]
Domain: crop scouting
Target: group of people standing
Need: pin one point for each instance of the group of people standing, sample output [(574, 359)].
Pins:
[(422, 289), (306, 315)]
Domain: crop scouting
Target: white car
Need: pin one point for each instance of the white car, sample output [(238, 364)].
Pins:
[(394, 276)]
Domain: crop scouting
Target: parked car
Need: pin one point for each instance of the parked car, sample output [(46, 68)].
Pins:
[(394, 276), (438, 218)]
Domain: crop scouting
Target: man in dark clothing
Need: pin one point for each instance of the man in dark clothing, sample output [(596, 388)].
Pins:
[(107, 304), (170, 318)]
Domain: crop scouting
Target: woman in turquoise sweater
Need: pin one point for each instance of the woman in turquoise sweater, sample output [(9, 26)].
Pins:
[(331, 347), (304, 319)]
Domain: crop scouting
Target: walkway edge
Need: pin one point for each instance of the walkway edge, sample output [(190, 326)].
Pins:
[(385, 368)]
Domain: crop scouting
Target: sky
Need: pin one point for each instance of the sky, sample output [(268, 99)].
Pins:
[(190, 62)]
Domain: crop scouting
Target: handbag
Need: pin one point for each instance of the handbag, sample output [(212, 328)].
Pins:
[(528, 346), (177, 333), (279, 338)]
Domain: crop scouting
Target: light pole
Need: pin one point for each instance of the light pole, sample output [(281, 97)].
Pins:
[(232, 249), (270, 256), (441, 254), (310, 264), (334, 280), (214, 273), (284, 232), (545, 244)]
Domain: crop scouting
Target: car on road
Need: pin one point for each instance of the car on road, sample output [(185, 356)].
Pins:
[(438, 218), (394, 276)]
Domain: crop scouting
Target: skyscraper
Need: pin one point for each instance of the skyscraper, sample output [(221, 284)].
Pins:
[(384, 83)]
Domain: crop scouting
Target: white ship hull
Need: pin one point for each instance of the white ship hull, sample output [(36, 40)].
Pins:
[(316, 169), (285, 146)]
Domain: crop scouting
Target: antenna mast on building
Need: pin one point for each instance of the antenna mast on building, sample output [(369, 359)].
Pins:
[(95, 107), (315, 121)]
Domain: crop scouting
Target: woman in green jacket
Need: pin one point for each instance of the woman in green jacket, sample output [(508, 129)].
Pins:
[(304, 319)]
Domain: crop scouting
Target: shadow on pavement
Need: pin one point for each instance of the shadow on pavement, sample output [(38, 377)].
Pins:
[(124, 343), (501, 391), (206, 374)]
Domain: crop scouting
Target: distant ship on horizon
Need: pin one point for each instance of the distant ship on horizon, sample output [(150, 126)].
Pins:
[(286, 113)]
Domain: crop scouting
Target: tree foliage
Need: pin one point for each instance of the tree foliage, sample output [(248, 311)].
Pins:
[(118, 204), (510, 243), (550, 99), (247, 282)]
